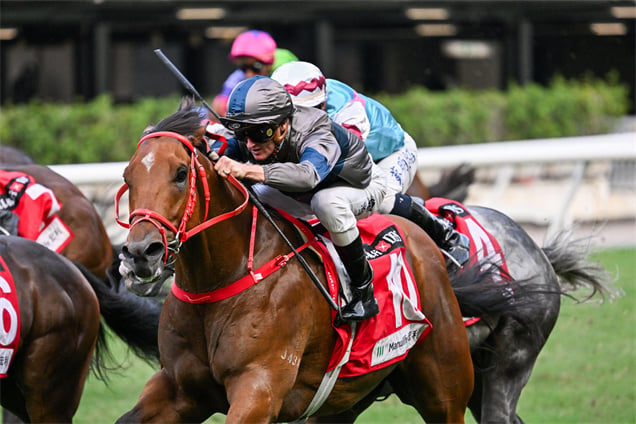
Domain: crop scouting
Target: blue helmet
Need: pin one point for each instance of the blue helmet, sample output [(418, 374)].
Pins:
[(256, 101)]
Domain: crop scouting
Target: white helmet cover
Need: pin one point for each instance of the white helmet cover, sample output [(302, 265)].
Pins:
[(304, 81)]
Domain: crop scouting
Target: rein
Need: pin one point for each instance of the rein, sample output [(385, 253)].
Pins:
[(252, 278), (157, 220)]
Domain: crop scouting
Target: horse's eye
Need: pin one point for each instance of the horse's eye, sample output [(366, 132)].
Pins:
[(182, 174)]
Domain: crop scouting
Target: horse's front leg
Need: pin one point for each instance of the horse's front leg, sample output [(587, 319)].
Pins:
[(156, 402), (256, 396), (162, 401)]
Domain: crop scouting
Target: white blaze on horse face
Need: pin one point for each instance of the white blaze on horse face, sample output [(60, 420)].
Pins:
[(148, 160)]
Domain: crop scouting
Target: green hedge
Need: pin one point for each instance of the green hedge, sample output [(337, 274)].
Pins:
[(95, 131), (100, 131), (564, 108)]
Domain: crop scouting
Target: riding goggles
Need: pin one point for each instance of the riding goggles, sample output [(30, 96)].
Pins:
[(257, 133), (256, 67)]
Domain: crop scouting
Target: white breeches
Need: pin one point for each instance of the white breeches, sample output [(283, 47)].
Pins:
[(337, 207), (400, 168)]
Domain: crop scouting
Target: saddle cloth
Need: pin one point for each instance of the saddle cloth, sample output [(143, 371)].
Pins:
[(386, 338), (9, 319), (37, 207), (484, 247)]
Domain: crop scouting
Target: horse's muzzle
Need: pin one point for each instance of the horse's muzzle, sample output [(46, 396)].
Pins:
[(143, 269)]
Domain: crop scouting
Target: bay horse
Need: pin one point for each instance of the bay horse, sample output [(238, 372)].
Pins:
[(59, 307), (259, 354)]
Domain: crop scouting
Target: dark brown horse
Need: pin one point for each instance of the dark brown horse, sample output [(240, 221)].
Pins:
[(90, 246), (59, 308), (14, 156), (225, 356)]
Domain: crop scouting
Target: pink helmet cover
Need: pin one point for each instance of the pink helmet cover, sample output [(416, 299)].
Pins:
[(254, 43)]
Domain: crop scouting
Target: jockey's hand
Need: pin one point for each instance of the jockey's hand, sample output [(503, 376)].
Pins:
[(226, 167)]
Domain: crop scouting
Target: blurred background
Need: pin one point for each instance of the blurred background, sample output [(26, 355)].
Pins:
[(61, 50)]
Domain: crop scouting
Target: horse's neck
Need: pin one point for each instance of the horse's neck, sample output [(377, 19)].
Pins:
[(218, 255)]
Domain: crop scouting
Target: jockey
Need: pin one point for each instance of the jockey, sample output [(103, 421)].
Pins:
[(392, 148), (306, 165), (253, 52)]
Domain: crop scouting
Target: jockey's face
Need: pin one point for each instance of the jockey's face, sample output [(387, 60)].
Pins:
[(262, 148), (261, 151), (253, 67)]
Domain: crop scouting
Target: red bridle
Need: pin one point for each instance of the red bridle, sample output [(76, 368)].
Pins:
[(181, 234)]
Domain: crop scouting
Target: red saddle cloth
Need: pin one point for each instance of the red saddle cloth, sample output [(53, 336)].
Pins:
[(36, 207), (484, 247), (386, 338), (9, 319)]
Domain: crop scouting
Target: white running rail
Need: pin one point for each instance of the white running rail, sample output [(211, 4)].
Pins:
[(503, 156)]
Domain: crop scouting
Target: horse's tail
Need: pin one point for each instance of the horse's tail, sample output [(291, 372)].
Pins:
[(486, 290), (569, 259), (454, 183), (133, 319)]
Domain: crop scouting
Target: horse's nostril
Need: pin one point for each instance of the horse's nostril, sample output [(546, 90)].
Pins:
[(143, 251), (154, 249)]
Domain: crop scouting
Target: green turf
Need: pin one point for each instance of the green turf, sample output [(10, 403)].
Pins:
[(585, 374)]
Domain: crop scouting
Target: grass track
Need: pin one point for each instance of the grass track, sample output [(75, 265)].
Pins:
[(585, 374)]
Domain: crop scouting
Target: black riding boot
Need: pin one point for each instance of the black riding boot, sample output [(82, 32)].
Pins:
[(8, 223), (362, 305), (440, 230)]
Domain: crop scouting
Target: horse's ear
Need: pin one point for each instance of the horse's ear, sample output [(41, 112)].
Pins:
[(198, 141), (198, 134), (186, 103)]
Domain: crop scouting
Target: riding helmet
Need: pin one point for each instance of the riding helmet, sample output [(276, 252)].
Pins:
[(304, 81), (256, 101), (254, 43)]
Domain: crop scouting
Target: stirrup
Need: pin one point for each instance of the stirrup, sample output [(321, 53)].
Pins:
[(362, 307), (363, 304)]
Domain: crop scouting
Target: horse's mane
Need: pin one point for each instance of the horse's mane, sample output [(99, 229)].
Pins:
[(185, 121)]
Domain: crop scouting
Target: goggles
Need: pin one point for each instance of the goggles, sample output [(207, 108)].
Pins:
[(256, 67), (257, 133)]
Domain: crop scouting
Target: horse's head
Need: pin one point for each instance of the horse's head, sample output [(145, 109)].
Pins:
[(170, 182), (162, 179)]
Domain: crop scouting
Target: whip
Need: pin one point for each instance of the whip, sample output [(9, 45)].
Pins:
[(188, 86), (184, 81)]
